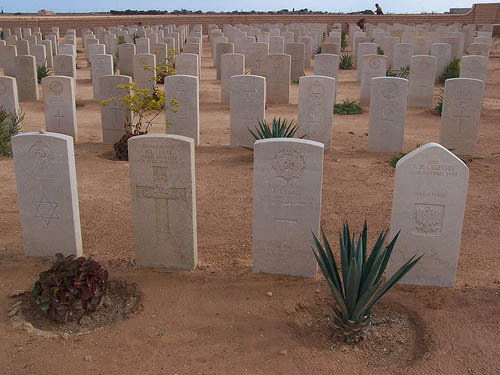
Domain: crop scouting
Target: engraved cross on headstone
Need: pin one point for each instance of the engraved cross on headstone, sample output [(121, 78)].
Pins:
[(161, 193), (117, 109), (461, 116), (289, 225), (59, 118)]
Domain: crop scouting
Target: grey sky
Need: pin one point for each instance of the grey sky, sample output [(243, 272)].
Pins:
[(394, 6)]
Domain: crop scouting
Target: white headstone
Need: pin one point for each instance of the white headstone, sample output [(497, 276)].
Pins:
[(442, 52), (8, 95), (461, 112), (277, 68), (47, 194), (114, 116), (474, 66), (247, 107), (59, 105), (102, 65), (316, 99), (186, 121), (288, 176), (387, 114), (430, 190), (232, 64), (26, 76), (144, 70), (327, 65), (422, 77), (163, 190), (126, 52), (187, 64), (371, 66)]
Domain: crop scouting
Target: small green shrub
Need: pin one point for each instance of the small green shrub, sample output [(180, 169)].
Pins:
[(121, 39), (343, 41), (380, 51), (70, 288), (452, 71), (134, 37), (404, 72), (10, 125), (318, 50), (358, 287), (347, 107), (439, 106), (345, 62), (295, 81), (41, 72), (395, 158)]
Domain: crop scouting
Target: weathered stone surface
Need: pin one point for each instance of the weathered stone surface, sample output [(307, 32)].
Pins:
[(142, 45), (144, 70), (297, 53), (187, 64), (257, 53), (461, 112), (277, 44), (387, 114), (126, 51), (59, 105), (247, 107), (316, 99), (430, 190), (8, 95), (102, 65), (221, 49), (364, 49), (288, 177), (114, 116), (163, 190), (474, 66), (277, 67), (26, 77), (402, 55), (232, 64), (331, 48), (422, 77), (442, 52), (186, 121), (7, 58), (47, 194), (327, 65), (371, 66)]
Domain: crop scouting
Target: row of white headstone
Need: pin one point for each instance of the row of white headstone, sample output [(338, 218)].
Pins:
[(428, 204)]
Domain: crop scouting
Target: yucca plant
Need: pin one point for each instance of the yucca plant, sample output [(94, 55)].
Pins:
[(280, 128), (345, 62), (41, 72), (360, 286)]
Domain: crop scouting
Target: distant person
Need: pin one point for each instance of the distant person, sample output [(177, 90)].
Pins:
[(378, 9), (361, 23)]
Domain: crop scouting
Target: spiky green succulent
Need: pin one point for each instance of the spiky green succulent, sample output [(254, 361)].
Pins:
[(360, 286)]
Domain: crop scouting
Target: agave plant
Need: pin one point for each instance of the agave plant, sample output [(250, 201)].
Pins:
[(360, 286), (345, 62), (42, 71), (280, 128)]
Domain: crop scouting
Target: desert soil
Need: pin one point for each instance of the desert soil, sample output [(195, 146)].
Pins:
[(224, 319)]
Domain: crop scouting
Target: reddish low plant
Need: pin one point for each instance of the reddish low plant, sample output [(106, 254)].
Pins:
[(70, 288)]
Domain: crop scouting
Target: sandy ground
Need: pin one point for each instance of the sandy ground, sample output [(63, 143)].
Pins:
[(219, 319)]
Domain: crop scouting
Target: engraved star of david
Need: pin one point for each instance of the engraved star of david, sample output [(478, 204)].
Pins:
[(46, 210)]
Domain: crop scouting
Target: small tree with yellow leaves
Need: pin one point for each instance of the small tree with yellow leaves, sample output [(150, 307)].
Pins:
[(145, 106)]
